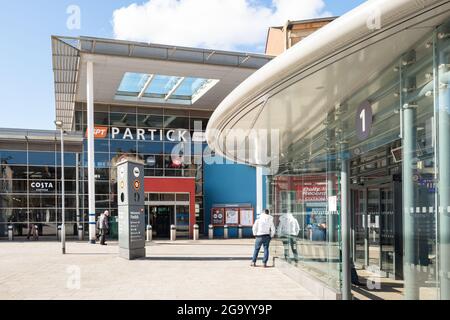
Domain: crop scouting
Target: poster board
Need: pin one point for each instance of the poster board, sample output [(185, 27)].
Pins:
[(232, 216), (246, 217), (218, 216)]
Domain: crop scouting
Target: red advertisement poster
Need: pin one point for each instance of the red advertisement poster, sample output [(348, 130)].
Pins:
[(312, 192)]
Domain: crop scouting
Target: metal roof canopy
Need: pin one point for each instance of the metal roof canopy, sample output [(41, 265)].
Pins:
[(113, 58), (7, 134)]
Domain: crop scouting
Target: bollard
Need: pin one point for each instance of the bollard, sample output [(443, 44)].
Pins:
[(196, 232), (149, 233), (240, 232), (10, 233), (173, 233), (36, 232), (211, 232), (225, 232), (80, 232), (59, 233)]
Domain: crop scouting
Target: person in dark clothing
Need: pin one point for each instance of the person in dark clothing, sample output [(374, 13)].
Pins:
[(103, 226)]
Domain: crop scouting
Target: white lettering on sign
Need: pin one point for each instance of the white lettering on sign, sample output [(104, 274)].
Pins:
[(115, 132), (179, 135), (362, 116), (140, 134), (128, 134), (170, 134), (42, 186)]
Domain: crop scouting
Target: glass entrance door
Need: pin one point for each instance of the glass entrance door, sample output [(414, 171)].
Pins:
[(373, 216), (359, 226), (161, 218), (387, 230), (374, 228), (182, 221)]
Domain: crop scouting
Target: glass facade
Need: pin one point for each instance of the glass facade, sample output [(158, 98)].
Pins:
[(145, 134), (385, 150), (30, 188)]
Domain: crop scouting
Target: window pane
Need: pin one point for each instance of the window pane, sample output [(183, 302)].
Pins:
[(150, 121), (42, 158), (118, 146), (150, 147), (176, 122), (132, 83), (161, 85), (182, 197), (123, 119), (12, 157), (101, 118), (46, 173)]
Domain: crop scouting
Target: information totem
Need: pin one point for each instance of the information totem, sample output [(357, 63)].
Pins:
[(130, 194)]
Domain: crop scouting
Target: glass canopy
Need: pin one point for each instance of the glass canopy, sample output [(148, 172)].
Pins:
[(163, 89)]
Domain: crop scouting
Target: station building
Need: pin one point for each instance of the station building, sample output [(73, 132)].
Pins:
[(360, 115), (149, 103)]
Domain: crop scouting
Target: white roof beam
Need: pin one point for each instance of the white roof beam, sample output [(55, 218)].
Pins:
[(146, 85), (175, 88)]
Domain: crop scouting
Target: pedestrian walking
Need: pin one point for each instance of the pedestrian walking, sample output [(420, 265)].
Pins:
[(264, 231), (103, 226)]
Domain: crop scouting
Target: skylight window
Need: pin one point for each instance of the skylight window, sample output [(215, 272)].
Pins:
[(155, 88), (133, 82)]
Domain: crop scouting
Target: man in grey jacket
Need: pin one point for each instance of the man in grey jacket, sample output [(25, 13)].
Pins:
[(264, 231), (103, 226)]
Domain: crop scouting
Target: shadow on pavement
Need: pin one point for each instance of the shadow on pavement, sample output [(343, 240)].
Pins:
[(197, 258)]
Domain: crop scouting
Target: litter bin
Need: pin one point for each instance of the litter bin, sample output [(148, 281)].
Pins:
[(114, 228)]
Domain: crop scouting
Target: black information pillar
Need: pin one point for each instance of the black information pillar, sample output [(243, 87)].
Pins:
[(130, 193)]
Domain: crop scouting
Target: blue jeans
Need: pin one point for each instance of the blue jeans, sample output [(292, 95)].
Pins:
[(262, 241)]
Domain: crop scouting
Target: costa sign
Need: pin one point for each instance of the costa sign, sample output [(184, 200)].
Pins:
[(42, 186), (173, 135)]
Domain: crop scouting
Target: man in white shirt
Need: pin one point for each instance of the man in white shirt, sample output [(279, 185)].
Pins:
[(288, 231), (264, 231)]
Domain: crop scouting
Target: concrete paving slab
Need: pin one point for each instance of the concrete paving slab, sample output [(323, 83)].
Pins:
[(205, 269)]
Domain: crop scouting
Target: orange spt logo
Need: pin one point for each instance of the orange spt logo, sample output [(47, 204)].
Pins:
[(99, 132)]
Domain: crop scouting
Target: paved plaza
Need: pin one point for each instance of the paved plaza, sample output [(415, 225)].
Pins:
[(205, 269)]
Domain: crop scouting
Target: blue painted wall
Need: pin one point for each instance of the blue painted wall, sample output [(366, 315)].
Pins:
[(228, 184)]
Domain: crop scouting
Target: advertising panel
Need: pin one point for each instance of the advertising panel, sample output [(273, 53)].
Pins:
[(218, 217), (232, 216), (246, 217)]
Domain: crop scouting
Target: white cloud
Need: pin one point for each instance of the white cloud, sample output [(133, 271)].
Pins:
[(217, 24)]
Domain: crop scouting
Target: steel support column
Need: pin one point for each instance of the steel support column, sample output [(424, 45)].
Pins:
[(91, 151), (409, 149), (444, 164), (345, 224)]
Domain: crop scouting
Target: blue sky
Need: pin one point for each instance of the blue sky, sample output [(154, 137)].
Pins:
[(26, 77)]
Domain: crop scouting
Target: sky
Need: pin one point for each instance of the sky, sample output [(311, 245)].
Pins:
[(26, 76)]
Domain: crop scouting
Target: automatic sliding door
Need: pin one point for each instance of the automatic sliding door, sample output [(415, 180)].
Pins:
[(387, 231), (182, 221), (358, 202), (373, 211)]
